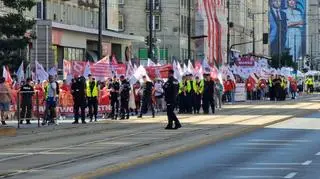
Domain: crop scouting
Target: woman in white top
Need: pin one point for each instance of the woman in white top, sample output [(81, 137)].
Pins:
[(295, 24)]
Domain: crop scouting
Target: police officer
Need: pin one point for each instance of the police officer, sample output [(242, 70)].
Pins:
[(171, 88), (124, 97), (198, 91), (146, 100), (208, 95), (182, 95), (92, 96), (189, 93), (27, 92), (78, 90), (114, 87)]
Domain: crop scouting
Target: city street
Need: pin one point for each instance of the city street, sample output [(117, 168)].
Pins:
[(106, 147), (288, 149)]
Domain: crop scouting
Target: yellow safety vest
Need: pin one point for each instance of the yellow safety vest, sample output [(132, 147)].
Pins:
[(270, 82), (46, 89), (198, 89), (94, 92)]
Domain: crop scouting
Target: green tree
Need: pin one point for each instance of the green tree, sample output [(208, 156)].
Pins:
[(13, 36), (286, 60)]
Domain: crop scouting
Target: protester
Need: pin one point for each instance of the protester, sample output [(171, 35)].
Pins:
[(5, 99), (114, 87), (26, 92), (218, 94), (51, 101), (158, 94), (229, 87), (293, 88), (137, 96)]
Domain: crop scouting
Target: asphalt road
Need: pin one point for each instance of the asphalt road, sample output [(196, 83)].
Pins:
[(290, 149)]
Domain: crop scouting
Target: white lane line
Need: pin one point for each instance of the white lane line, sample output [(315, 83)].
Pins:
[(266, 140), (257, 177), (318, 153), (291, 175), (308, 162), (277, 163), (260, 168)]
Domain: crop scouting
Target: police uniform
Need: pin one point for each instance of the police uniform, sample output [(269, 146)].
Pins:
[(114, 96), (92, 96), (198, 91), (189, 96), (146, 100), (78, 89), (208, 96), (27, 92), (171, 88), (124, 98)]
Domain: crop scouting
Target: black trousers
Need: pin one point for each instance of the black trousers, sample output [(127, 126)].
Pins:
[(79, 106), (93, 107), (124, 107), (26, 111), (196, 103), (172, 116), (271, 93), (145, 104), (114, 107), (189, 102), (182, 103), (208, 101)]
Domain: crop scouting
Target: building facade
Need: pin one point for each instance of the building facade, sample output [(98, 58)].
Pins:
[(170, 19), (313, 35), (70, 32)]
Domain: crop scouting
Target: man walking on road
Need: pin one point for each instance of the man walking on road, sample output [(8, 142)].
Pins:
[(26, 104), (171, 88)]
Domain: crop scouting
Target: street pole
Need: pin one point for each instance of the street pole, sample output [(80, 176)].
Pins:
[(228, 33), (100, 30), (150, 54), (253, 36), (189, 31), (44, 11)]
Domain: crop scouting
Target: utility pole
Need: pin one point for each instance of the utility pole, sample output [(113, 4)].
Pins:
[(189, 31), (150, 54), (228, 33), (44, 11), (253, 36), (100, 29)]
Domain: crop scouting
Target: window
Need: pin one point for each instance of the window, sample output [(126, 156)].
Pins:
[(121, 22), (156, 22), (121, 2), (182, 3), (156, 4)]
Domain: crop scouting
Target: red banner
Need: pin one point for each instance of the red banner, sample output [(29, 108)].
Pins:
[(158, 71), (98, 70)]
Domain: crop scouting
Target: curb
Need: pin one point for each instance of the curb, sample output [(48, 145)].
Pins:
[(206, 141), (8, 131)]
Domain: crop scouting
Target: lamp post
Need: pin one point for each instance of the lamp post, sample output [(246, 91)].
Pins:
[(100, 29)]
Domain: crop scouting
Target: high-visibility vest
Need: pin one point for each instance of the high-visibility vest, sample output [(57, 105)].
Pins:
[(94, 92), (198, 87), (188, 87), (270, 82), (46, 89)]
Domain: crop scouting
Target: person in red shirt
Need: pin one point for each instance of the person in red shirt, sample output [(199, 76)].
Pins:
[(250, 88), (229, 87), (262, 88)]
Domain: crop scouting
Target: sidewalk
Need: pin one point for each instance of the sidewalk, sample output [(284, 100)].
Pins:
[(117, 145)]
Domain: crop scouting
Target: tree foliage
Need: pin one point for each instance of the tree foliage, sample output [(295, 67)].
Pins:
[(13, 33), (286, 60)]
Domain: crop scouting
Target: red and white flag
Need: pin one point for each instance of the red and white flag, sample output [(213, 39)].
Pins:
[(6, 75)]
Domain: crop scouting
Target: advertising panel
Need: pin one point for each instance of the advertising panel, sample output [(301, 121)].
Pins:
[(287, 27)]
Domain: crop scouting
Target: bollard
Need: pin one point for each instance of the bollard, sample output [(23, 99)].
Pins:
[(37, 103), (18, 108)]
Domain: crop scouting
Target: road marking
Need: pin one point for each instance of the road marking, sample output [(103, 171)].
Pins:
[(318, 153), (278, 163), (257, 177), (259, 168), (266, 144), (266, 140), (291, 175), (308, 162)]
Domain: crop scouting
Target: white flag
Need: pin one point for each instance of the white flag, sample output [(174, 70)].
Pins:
[(205, 66), (190, 67), (177, 74), (87, 70), (150, 63), (6, 74), (41, 74), (20, 73), (185, 68), (130, 71)]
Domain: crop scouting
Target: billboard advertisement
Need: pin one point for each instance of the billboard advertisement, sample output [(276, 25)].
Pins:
[(287, 20)]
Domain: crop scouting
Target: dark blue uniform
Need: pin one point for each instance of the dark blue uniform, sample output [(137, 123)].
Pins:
[(171, 88), (124, 99)]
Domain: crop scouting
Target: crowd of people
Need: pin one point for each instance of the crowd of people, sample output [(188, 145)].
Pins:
[(193, 95)]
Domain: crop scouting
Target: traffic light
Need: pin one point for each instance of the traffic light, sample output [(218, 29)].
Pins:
[(146, 40), (265, 38)]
